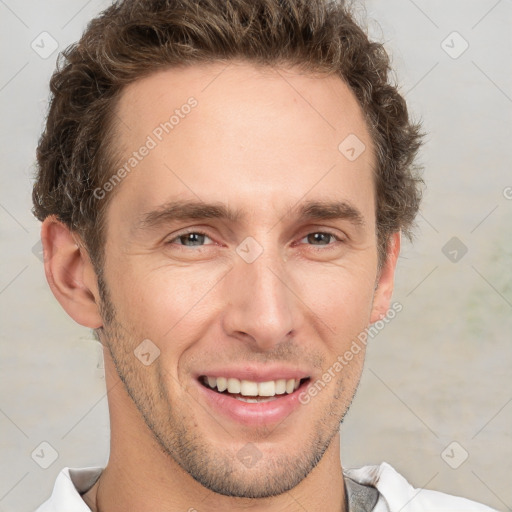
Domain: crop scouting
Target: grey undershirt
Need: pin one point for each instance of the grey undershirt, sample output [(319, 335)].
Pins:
[(359, 498)]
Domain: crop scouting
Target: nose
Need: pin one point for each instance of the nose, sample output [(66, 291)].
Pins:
[(262, 308)]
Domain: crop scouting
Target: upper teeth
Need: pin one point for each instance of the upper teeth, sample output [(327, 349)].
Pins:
[(251, 388)]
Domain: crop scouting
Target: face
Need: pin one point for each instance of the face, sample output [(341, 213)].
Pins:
[(242, 246)]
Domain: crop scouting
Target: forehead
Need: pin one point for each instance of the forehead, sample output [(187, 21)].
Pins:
[(251, 136), (241, 90)]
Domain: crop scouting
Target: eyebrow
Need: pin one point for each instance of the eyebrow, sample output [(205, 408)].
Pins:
[(199, 210)]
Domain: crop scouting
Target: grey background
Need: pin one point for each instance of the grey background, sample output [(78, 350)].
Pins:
[(437, 374)]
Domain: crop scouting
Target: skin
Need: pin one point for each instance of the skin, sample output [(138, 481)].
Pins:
[(260, 140)]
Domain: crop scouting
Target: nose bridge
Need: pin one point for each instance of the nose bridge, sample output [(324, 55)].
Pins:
[(261, 303)]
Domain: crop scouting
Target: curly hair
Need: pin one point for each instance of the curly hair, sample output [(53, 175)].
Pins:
[(134, 38)]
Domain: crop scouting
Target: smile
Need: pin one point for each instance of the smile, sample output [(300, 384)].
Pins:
[(252, 403), (247, 388)]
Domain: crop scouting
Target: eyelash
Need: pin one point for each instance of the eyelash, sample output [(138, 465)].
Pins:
[(198, 232)]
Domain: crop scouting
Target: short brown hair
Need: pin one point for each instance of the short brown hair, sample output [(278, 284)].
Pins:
[(133, 38)]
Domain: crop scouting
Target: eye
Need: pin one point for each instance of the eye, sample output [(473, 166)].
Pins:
[(323, 237), (190, 239)]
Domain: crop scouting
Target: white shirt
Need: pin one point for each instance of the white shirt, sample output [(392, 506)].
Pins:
[(395, 493)]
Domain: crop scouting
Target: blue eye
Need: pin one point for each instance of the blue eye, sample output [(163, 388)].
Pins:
[(194, 237), (324, 236)]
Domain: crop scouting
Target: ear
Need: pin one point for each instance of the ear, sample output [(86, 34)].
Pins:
[(70, 273), (384, 289)]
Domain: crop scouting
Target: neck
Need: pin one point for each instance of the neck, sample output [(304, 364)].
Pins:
[(140, 476)]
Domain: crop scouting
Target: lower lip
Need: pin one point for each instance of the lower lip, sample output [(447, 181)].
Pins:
[(253, 414)]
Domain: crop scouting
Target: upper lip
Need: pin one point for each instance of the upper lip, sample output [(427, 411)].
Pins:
[(257, 374)]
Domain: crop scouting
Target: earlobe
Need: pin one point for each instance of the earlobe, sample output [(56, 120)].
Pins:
[(69, 273), (384, 290)]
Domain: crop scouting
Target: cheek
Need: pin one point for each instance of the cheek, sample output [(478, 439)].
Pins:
[(168, 304), (341, 297)]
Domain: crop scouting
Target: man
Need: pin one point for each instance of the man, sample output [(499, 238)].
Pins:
[(223, 187)]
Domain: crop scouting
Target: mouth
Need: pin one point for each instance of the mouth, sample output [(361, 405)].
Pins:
[(253, 396), (251, 391)]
